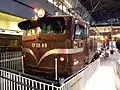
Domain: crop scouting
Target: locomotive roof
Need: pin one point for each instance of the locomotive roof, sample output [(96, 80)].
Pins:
[(81, 21), (66, 16), (30, 24)]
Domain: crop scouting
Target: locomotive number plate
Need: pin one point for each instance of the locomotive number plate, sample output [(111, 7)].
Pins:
[(39, 45)]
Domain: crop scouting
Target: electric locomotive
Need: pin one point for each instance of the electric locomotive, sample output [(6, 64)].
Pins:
[(56, 38)]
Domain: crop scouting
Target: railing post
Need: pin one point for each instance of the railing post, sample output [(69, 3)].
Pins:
[(1, 80), (55, 68), (22, 65)]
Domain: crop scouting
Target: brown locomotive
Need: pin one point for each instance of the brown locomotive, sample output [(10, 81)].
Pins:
[(61, 38)]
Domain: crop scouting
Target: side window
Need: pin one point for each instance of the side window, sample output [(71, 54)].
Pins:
[(86, 32), (79, 32), (2, 41), (12, 42)]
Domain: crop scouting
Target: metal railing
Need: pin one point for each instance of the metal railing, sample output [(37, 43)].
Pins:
[(11, 60), (11, 77), (117, 67), (14, 80)]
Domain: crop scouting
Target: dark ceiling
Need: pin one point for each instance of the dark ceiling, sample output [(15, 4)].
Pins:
[(103, 11)]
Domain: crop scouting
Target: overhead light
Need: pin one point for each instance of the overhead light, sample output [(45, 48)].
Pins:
[(51, 1), (118, 35), (68, 4), (41, 12), (45, 45)]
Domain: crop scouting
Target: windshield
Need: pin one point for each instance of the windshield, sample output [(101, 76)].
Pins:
[(52, 25), (81, 32)]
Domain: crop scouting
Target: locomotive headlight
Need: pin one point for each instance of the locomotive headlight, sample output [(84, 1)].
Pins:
[(62, 59), (43, 45), (41, 13)]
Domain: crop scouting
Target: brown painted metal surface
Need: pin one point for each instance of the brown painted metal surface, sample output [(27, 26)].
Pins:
[(41, 50)]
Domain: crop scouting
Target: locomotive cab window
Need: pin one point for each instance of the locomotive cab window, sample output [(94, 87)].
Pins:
[(80, 32), (47, 25), (52, 25), (2, 42)]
